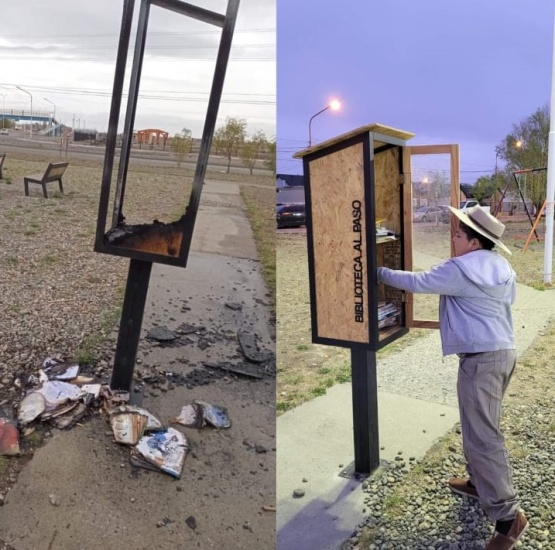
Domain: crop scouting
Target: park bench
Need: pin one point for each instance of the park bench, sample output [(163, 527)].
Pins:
[(2, 158), (53, 172)]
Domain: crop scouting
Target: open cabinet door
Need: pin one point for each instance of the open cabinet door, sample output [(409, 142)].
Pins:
[(450, 158)]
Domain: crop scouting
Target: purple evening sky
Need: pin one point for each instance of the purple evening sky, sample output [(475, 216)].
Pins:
[(449, 71)]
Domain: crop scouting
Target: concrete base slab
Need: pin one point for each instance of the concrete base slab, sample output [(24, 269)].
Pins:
[(315, 441)]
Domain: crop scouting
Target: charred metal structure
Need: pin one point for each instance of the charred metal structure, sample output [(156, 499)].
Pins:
[(167, 243)]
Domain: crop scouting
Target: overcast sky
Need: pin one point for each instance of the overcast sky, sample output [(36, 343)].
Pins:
[(450, 72), (63, 52)]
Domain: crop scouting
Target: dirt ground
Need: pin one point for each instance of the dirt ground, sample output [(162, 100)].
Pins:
[(306, 370)]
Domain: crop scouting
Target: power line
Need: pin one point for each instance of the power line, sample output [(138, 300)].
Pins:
[(79, 59), (153, 33), (158, 95)]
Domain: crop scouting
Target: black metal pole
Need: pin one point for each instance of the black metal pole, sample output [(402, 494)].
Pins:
[(130, 324), (365, 410)]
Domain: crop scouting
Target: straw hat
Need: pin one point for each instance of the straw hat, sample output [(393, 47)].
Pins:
[(482, 222)]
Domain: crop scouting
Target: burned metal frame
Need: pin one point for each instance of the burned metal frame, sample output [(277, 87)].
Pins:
[(177, 236), (156, 242)]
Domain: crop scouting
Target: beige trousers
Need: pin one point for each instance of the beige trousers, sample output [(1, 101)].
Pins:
[(482, 381)]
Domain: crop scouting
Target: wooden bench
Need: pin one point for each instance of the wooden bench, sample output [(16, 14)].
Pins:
[(54, 172), (2, 159)]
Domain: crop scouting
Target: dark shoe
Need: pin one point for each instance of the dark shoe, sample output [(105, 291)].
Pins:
[(508, 541), (463, 487)]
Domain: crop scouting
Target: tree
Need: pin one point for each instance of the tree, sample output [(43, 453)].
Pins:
[(271, 161), (229, 137), (181, 144), (486, 186), (251, 150), (527, 147)]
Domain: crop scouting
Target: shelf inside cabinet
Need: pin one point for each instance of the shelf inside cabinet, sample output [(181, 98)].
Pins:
[(385, 239), (388, 331)]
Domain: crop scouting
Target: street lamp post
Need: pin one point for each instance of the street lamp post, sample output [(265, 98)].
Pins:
[(31, 96), (54, 115), (3, 110), (334, 105)]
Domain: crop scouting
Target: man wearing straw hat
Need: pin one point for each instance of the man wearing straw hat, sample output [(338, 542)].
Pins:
[(477, 288)]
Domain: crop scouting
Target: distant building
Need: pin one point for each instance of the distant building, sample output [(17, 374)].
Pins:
[(84, 135), (292, 180)]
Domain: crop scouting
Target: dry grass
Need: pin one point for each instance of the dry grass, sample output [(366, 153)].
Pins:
[(58, 292), (306, 370), (260, 206)]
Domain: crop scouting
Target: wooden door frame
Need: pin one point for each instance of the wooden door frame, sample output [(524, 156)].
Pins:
[(409, 151)]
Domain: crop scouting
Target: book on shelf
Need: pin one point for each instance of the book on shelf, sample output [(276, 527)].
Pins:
[(383, 234), (388, 314)]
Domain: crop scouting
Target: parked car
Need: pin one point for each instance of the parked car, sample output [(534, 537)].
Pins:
[(4, 132), (290, 215), (469, 203), (429, 213)]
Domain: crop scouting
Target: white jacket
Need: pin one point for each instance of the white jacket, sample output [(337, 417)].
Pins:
[(476, 292)]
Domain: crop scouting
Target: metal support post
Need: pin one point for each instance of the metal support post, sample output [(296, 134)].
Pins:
[(130, 324), (365, 410)]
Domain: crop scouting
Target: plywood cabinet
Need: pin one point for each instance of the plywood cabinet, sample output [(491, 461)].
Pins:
[(358, 197)]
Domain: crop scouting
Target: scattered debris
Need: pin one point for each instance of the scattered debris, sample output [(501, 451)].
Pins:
[(85, 380), (186, 328), (129, 423), (55, 500), (166, 450), (9, 437), (163, 522), (249, 346), (58, 393), (298, 493), (234, 306), (200, 414), (191, 522), (69, 420), (152, 423), (32, 405), (243, 369), (128, 427), (67, 370), (215, 415), (190, 416), (161, 334), (269, 508)]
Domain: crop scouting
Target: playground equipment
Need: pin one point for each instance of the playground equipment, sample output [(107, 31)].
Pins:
[(149, 136)]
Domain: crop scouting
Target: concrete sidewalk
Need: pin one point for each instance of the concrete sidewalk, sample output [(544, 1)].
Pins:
[(417, 405), (229, 475)]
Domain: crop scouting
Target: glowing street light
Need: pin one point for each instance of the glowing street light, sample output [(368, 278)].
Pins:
[(334, 105)]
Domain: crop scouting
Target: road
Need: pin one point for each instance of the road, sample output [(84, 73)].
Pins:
[(16, 143)]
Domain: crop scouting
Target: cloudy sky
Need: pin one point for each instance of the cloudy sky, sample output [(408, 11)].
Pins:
[(451, 72), (63, 53)]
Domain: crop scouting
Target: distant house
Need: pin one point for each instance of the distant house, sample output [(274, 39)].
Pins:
[(512, 203), (292, 180)]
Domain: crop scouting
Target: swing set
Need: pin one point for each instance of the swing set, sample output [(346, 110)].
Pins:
[(521, 178)]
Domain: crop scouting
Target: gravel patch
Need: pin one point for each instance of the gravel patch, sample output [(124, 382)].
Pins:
[(409, 505)]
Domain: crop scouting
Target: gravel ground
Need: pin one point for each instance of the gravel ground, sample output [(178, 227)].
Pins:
[(410, 507), (57, 294)]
